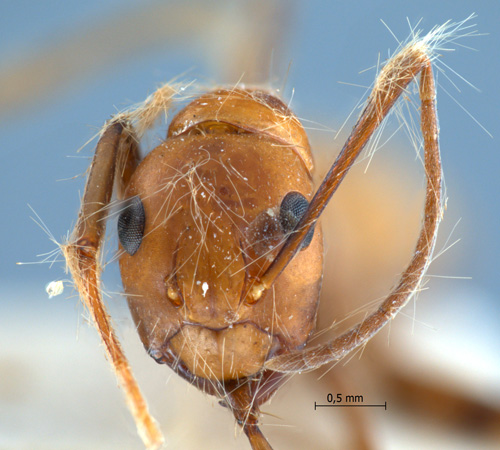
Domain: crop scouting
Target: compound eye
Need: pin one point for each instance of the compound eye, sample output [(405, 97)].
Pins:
[(293, 206), (131, 225)]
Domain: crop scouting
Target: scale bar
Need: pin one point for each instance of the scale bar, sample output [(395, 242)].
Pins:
[(350, 406)]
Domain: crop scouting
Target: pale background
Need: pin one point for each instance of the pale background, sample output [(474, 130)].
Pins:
[(66, 66)]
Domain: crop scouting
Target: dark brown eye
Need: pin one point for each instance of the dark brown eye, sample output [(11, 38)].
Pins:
[(293, 207), (131, 225)]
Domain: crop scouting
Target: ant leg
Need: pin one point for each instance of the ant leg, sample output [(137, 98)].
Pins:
[(394, 78), (245, 409)]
